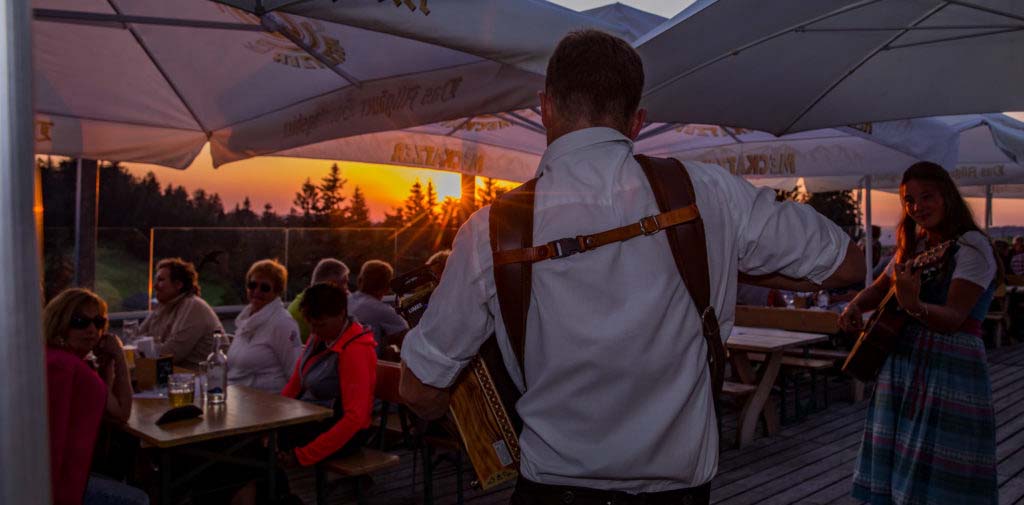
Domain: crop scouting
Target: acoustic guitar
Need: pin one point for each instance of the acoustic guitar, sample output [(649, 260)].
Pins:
[(876, 341)]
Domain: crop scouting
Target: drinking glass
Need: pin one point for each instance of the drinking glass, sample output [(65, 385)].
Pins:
[(129, 331), (181, 389)]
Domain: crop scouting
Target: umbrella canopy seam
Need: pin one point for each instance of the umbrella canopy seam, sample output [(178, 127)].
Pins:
[(766, 38), (163, 72), (863, 61)]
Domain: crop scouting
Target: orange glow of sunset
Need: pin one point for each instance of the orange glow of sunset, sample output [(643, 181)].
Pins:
[(276, 180)]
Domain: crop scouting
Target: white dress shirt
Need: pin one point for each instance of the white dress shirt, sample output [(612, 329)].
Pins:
[(617, 389)]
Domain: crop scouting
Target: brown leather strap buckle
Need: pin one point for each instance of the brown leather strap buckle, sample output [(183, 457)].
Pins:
[(649, 225), (565, 247), (709, 323)]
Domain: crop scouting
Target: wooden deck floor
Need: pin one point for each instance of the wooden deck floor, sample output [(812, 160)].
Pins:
[(807, 462)]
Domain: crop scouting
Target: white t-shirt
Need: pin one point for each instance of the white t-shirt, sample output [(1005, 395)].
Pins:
[(975, 262)]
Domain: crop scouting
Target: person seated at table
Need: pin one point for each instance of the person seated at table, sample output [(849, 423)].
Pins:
[(367, 304), (79, 397), (1017, 256), (338, 370), (327, 270), (266, 344), (183, 323), (1003, 252)]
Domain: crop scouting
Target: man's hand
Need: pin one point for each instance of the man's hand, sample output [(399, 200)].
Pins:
[(426, 401)]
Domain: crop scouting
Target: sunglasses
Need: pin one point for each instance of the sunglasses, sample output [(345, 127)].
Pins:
[(263, 286), (81, 322)]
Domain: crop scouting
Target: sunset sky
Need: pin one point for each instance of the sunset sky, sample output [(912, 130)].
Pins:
[(276, 180)]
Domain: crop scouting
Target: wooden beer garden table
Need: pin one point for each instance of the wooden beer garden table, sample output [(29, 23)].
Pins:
[(248, 414), (772, 343)]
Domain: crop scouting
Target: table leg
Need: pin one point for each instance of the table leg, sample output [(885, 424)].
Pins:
[(165, 477), (272, 465), (760, 402)]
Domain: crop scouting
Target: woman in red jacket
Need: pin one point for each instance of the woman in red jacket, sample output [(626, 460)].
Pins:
[(338, 370)]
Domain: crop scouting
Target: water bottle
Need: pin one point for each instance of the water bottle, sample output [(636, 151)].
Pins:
[(217, 371)]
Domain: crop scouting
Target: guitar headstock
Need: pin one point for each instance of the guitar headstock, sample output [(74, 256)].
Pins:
[(931, 256)]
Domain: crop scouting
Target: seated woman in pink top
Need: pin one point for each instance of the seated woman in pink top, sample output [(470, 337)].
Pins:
[(74, 325)]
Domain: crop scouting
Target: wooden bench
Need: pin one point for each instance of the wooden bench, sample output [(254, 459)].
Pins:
[(813, 321), (803, 320), (832, 354), (796, 362), (838, 357), (812, 365), (366, 461), (737, 389)]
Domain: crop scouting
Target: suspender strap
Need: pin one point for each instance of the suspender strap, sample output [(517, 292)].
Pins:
[(511, 234), (581, 243), (511, 227), (673, 189)]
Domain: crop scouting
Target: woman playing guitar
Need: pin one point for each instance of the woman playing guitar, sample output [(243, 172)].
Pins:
[(930, 431)]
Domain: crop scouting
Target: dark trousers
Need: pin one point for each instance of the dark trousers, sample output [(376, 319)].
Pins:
[(533, 493)]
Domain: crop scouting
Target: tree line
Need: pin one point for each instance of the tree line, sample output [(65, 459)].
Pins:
[(129, 201)]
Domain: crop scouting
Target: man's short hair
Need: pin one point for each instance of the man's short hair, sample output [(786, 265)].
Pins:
[(595, 76), (182, 271), (329, 269), (323, 300), (375, 277)]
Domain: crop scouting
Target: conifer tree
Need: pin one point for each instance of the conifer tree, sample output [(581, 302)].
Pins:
[(358, 211)]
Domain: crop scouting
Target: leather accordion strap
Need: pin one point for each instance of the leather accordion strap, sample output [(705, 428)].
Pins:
[(673, 189), (511, 227), (582, 243)]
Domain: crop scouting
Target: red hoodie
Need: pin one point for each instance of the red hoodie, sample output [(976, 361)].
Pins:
[(76, 398), (356, 358)]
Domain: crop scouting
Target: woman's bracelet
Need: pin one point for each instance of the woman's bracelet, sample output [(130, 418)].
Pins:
[(918, 315)]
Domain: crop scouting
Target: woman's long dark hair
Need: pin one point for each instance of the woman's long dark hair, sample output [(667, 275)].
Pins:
[(957, 219)]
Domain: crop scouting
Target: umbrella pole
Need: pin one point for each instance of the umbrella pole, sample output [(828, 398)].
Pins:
[(988, 207), (868, 237), (24, 436), (86, 218)]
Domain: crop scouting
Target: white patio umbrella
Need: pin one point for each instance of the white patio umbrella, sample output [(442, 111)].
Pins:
[(987, 164), (991, 149), (793, 65), (152, 81), (509, 146)]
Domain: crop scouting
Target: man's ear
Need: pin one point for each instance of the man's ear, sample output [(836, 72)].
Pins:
[(545, 109), (637, 123)]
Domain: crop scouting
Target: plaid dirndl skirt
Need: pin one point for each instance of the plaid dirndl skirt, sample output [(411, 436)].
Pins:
[(930, 431)]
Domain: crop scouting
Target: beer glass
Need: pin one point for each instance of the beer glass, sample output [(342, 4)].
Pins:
[(181, 389)]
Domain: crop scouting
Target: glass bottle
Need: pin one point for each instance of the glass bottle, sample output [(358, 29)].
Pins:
[(217, 371)]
